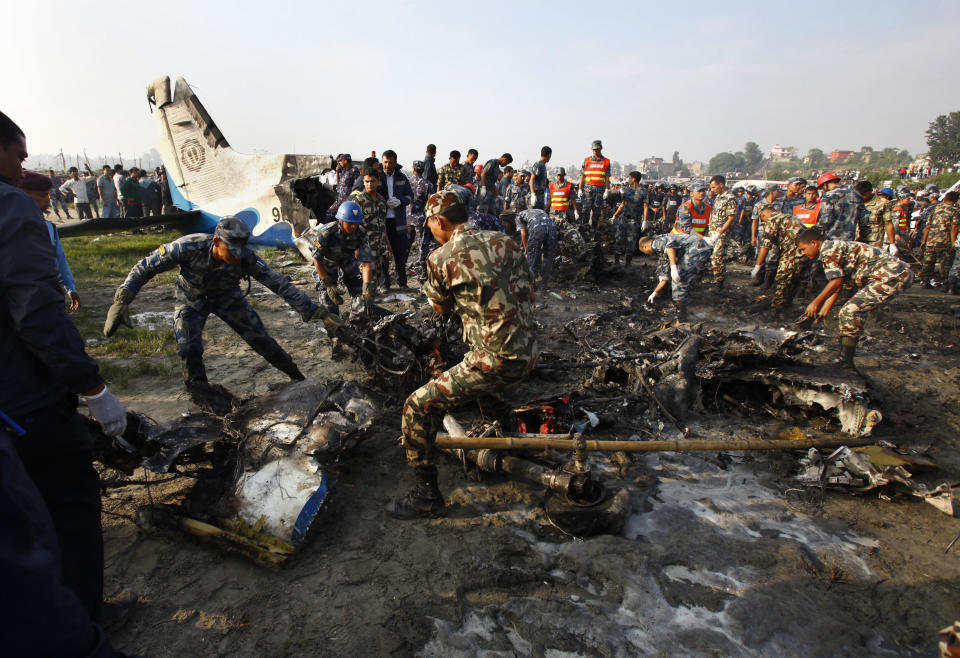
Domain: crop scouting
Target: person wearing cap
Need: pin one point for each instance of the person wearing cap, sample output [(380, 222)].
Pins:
[(627, 218), (422, 189), (51, 545), (452, 173), (653, 210), (780, 232), (347, 176), (482, 276), (487, 179), (768, 272), (896, 220), (842, 213), (539, 180), (722, 214), (793, 196), (681, 258), (671, 205), (539, 235), (342, 247), (211, 267), (594, 183), (876, 204), (517, 193), (693, 216), (563, 202), (38, 187), (879, 276), (938, 236)]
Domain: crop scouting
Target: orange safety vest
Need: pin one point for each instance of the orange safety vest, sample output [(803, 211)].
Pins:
[(595, 173), (903, 219), (699, 220), (807, 216), (560, 196)]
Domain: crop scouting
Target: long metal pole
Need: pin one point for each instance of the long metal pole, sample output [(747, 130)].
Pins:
[(542, 441)]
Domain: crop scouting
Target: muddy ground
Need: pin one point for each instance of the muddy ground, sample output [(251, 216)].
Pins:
[(714, 560)]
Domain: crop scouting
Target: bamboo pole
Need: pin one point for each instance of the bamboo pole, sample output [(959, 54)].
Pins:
[(543, 441)]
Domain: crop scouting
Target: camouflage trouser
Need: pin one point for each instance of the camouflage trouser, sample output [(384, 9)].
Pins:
[(690, 264), (424, 238), (488, 203), (540, 200), (720, 248), (571, 243), (188, 323), (788, 274), (352, 279), (377, 236), (591, 211), (542, 245), (854, 312), (954, 275), (626, 230), (479, 373), (933, 254)]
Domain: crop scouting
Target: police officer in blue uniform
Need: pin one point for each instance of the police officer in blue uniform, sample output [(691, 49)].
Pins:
[(51, 547), (211, 267), (342, 247)]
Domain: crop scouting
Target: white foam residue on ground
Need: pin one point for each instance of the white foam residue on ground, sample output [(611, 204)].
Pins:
[(153, 320)]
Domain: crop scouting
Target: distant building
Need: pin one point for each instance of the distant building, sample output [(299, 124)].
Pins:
[(696, 168), (839, 156), (782, 152)]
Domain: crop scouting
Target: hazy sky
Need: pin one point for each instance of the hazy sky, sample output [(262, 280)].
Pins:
[(646, 78)]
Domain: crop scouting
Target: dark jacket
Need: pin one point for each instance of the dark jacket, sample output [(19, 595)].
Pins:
[(41, 351), (401, 189)]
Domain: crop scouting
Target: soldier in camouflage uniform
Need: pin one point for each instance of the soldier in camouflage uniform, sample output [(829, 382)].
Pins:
[(342, 247), (681, 259), (628, 217), (422, 189), (211, 267), (539, 236), (876, 204), (453, 173), (484, 278), (938, 236), (347, 176), (878, 275), (374, 209), (483, 221), (842, 213), (780, 231), (953, 279), (721, 220), (518, 193)]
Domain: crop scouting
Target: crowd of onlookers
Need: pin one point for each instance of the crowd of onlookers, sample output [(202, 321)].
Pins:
[(114, 193)]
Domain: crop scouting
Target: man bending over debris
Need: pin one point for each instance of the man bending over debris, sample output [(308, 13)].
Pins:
[(780, 232), (483, 276), (539, 236), (210, 270), (879, 275), (682, 256)]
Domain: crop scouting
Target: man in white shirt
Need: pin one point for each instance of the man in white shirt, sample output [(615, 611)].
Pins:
[(78, 186)]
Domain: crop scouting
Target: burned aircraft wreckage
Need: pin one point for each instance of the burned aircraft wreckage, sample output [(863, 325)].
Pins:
[(264, 469)]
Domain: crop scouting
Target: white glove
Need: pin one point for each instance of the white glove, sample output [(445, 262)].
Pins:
[(675, 275), (892, 249), (532, 200), (483, 192), (393, 202), (606, 193), (652, 297), (711, 239), (106, 409), (645, 226), (755, 271)]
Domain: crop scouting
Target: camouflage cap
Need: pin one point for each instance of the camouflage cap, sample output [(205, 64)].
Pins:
[(524, 172), (597, 144), (698, 186), (450, 202), (771, 187), (36, 182), (794, 179), (418, 165), (344, 156), (904, 194), (234, 233), (561, 172)]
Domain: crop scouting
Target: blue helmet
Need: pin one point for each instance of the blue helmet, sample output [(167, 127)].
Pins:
[(886, 191), (350, 211)]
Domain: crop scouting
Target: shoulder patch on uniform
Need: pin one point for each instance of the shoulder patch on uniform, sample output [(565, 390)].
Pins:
[(162, 249)]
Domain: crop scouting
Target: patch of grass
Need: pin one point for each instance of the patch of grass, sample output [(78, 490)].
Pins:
[(135, 343), (118, 374), (106, 259)]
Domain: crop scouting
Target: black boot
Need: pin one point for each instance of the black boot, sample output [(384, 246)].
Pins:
[(292, 371), (681, 308), (757, 280), (848, 347), (423, 500), (952, 287), (769, 276)]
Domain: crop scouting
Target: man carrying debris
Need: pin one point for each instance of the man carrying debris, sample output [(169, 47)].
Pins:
[(682, 257), (539, 236), (879, 275), (780, 232), (482, 276), (343, 246), (211, 267)]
